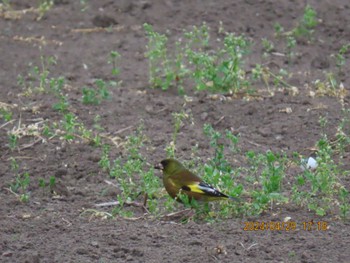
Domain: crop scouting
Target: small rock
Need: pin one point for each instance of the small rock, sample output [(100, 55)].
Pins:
[(94, 244), (103, 21), (145, 5), (81, 251), (61, 172), (204, 116), (7, 254), (149, 108), (264, 131), (306, 257), (94, 158), (320, 63), (60, 189)]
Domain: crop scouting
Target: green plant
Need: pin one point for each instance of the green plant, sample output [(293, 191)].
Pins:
[(42, 183), (268, 46), (133, 175), (268, 77), (279, 30), (5, 5), (221, 71), (97, 126), (13, 141), (51, 183), (90, 96), (329, 86), (84, 5), (340, 58), (42, 74), (104, 161), (56, 87), (71, 128), (163, 72), (14, 165), (113, 60), (219, 171), (344, 205), (321, 189), (47, 131), (62, 105), (21, 182), (38, 80), (304, 28), (278, 79), (5, 114), (179, 119), (69, 125), (291, 44), (98, 94), (307, 23), (44, 7), (215, 70), (342, 134), (266, 172)]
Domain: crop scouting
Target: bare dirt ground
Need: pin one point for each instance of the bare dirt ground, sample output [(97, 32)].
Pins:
[(48, 229)]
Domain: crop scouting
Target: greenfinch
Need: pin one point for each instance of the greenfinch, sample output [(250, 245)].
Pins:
[(177, 179)]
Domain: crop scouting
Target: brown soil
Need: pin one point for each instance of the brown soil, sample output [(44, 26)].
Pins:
[(48, 229)]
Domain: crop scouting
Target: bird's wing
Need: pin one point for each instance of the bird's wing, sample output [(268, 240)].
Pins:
[(190, 182), (204, 188), (193, 185)]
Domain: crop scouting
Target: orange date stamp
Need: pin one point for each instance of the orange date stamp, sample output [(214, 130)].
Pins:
[(285, 226)]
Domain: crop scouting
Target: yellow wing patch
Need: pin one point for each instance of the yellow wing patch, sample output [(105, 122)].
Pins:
[(194, 188)]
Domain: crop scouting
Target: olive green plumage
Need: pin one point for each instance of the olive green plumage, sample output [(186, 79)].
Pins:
[(177, 179)]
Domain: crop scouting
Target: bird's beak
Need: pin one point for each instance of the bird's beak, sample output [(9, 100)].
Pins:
[(159, 166)]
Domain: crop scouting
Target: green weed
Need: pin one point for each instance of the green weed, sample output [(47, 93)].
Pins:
[(344, 205), (84, 4), (44, 7), (38, 80), (216, 71), (221, 71), (279, 30), (321, 189), (104, 162), (307, 23), (72, 128), (266, 172), (69, 125), (133, 175), (5, 5), (268, 46), (219, 172), (113, 60), (340, 57), (291, 44), (330, 86), (5, 114), (164, 70), (50, 184), (21, 182), (98, 93), (305, 27), (13, 141), (179, 119)]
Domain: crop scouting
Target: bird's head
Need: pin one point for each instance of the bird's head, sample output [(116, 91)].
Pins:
[(169, 166)]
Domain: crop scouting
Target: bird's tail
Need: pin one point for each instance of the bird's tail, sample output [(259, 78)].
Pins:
[(233, 198)]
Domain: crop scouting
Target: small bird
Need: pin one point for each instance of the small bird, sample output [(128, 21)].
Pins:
[(177, 179)]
